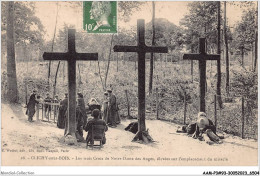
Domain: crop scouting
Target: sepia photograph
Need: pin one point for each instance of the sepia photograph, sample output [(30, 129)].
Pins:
[(129, 83)]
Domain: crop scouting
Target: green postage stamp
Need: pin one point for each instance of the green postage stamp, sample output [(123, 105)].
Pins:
[(100, 16)]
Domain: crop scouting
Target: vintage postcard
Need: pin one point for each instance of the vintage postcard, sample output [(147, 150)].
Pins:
[(129, 83)]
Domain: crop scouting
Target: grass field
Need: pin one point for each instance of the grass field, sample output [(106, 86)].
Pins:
[(171, 79)]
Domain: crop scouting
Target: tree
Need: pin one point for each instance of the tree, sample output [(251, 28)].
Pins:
[(54, 34), (244, 35), (152, 59), (226, 48), (167, 34), (219, 61), (256, 36), (20, 27), (12, 93), (202, 15), (28, 29)]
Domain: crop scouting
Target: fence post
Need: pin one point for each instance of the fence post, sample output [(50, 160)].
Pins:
[(37, 111), (26, 94), (191, 71), (128, 106), (55, 111), (185, 108), (42, 111), (215, 110), (157, 104), (243, 118), (117, 63), (49, 112)]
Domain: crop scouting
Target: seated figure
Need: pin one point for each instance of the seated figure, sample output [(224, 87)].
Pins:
[(94, 121)]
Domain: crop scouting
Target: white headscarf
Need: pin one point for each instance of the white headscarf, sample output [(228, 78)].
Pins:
[(202, 120)]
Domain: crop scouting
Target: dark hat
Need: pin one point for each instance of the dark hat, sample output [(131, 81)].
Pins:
[(34, 90), (95, 113), (66, 93)]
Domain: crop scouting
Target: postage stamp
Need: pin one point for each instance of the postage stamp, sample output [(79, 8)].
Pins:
[(100, 16)]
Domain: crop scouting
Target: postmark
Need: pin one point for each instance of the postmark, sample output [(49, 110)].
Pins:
[(100, 16)]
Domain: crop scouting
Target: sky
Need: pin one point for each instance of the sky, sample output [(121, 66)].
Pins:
[(173, 11)]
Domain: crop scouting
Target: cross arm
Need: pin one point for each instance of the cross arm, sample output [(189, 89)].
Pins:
[(87, 56), (213, 57), (55, 56), (201, 57), (156, 49), (119, 48), (148, 49)]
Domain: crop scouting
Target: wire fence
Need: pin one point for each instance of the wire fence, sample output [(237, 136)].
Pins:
[(235, 116)]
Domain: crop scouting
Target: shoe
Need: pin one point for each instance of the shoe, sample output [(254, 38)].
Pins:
[(210, 142)]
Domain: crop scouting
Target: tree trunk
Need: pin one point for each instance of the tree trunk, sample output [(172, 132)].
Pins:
[(226, 49), (191, 68), (99, 72), (63, 75), (12, 91), (128, 104), (219, 62), (242, 54), (256, 37), (152, 55), (117, 62), (49, 70), (108, 62), (55, 82), (252, 56)]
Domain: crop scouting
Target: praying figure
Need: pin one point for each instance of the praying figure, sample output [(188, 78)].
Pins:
[(62, 112), (31, 106), (203, 129), (113, 116)]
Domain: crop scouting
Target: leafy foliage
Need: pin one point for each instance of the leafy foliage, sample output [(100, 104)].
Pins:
[(244, 34), (28, 27), (201, 22), (166, 34), (126, 8)]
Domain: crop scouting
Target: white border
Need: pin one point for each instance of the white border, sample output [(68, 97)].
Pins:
[(130, 170)]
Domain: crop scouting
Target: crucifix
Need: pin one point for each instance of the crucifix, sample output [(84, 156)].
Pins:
[(202, 57), (141, 49), (71, 57)]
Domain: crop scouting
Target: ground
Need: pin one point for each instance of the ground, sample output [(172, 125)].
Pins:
[(38, 143)]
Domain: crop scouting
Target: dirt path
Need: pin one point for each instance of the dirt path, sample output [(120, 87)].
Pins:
[(170, 148)]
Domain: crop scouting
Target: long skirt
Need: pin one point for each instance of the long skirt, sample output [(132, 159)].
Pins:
[(61, 118)]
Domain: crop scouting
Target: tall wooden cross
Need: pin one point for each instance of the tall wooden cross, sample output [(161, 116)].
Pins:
[(141, 50), (71, 57), (202, 57)]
